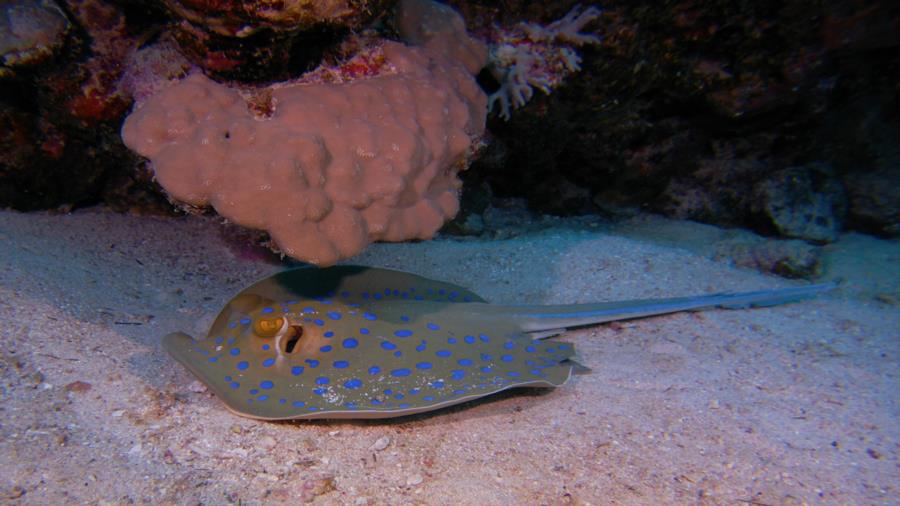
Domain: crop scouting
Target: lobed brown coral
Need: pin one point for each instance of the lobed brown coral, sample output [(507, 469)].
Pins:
[(330, 167)]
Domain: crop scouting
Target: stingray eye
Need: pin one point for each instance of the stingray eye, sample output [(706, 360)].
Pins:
[(267, 326)]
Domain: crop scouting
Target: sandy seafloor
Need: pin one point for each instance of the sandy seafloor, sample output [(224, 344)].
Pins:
[(796, 404)]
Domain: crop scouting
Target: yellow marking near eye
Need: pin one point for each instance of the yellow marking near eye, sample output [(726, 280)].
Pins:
[(267, 327)]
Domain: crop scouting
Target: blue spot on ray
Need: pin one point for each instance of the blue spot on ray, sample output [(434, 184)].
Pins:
[(350, 343), (242, 365), (403, 333), (401, 372), (340, 364), (266, 384)]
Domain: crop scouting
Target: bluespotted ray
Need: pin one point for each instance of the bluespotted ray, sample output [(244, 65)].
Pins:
[(362, 342)]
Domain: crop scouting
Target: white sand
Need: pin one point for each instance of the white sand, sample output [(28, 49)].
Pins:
[(790, 405)]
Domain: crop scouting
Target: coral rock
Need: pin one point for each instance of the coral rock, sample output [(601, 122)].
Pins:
[(329, 168), (804, 202), (262, 40), (30, 32)]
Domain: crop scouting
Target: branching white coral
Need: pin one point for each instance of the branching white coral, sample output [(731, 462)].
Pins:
[(567, 28), (532, 56)]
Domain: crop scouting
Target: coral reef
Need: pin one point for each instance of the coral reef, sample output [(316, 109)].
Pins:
[(686, 108), (30, 32), (261, 40), (61, 102), (693, 109), (325, 166), (531, 56)]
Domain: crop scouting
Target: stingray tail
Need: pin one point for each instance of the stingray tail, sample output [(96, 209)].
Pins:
[(549, 318)]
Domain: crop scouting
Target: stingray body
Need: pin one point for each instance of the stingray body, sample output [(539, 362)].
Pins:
[(360, 342)]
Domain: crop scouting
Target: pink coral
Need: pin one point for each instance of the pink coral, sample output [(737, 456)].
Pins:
[(329, 167)]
